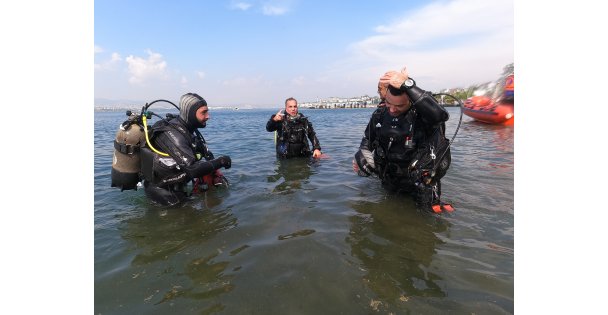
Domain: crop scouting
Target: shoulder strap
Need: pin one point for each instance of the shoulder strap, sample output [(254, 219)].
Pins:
[(199, 135), (304, 121), (164, 125)]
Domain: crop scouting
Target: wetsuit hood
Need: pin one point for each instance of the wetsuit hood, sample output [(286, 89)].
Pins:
[(189, 103)]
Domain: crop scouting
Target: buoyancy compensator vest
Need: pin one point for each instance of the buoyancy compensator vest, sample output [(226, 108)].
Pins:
[(292, 140), (395, 142), (432, 158), (404, 152), (126, 159), (129, 142), (162, 169)]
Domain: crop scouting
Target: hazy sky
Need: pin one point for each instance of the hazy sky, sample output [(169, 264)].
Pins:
[(259, 53)]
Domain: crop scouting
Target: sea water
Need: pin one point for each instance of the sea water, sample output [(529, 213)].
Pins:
[(308, 237)]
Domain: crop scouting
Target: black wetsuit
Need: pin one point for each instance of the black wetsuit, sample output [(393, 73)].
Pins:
[(291, 136), (396, 142), (166, 177)]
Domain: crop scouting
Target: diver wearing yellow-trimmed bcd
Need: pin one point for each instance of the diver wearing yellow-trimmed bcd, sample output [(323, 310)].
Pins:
[(165, 177)]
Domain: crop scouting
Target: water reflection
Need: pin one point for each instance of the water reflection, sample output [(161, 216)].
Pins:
[(161, 233), (503, 138), (396, 244), (499, 136), (489, 147), (290, 175), (181, 242)]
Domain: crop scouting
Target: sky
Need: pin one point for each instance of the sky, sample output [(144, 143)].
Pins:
[(258, 53)]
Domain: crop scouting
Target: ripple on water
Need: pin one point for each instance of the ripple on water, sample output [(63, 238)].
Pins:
[(308, 237)]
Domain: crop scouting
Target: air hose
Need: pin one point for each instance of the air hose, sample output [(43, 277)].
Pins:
[(145, 114), (459, 122)]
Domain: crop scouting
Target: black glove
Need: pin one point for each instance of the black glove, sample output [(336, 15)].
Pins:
[(366, 168), (222, 161), (202, 167)]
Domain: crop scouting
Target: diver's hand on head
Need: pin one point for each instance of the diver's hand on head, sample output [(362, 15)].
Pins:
[(222, 161), (394, 78), (279, 115)]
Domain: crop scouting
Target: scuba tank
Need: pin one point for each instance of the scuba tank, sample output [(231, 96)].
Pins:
[(129, 141), (126, 160)]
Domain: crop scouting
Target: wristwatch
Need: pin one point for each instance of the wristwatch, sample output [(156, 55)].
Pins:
[(408, 83)]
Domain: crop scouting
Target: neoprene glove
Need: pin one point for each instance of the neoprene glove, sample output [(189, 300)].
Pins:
[(203, 167), (366, 167), (222, 161)]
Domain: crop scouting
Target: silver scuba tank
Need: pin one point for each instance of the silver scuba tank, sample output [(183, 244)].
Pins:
[(127, 146)]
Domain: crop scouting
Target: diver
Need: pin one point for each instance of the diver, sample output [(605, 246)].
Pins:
[(404, 142), (179, 154), (292, 128)]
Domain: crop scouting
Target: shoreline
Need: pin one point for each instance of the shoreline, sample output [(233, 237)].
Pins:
[(137, 109)]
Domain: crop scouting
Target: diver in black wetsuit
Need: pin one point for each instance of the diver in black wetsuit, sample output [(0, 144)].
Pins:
[(404, 142), (187, 156), (292, 130)]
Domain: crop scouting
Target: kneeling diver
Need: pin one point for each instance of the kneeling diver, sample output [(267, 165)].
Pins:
[(187, 156)]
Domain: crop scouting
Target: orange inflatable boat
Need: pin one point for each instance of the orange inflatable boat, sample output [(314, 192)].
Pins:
[(493, 104), (484, 109)]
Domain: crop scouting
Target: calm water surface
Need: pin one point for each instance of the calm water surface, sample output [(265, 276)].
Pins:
[(302, 237)]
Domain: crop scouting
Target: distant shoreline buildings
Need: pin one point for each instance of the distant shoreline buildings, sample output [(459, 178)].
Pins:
[(329, 103), (364, 101), (338, 102)]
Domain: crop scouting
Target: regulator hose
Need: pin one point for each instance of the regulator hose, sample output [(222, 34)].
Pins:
[(457, 127), (145, 114)]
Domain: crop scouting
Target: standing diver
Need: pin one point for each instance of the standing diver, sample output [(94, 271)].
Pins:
[(404, 142), (292, 129), (187, 156)]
